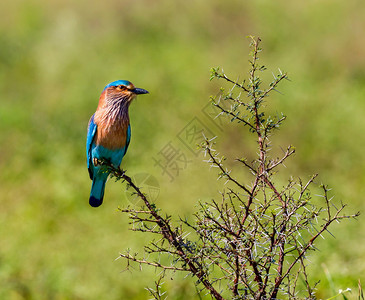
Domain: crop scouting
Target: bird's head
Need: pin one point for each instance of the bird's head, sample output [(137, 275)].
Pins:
[(122, 90)]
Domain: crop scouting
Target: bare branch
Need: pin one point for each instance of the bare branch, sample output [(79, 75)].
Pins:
[(154, 264)]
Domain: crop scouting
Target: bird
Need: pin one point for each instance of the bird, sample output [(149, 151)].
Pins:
[(109, 134)]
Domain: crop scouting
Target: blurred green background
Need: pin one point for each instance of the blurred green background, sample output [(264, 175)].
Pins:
[(56, 57)]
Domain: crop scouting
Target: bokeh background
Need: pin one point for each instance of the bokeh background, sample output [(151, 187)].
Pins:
[(56, 57)]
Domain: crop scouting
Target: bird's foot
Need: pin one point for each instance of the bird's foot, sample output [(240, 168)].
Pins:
[(101, 162), (96, 162)]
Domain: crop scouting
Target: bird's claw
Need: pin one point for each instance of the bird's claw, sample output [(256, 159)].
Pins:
[(96, 162)]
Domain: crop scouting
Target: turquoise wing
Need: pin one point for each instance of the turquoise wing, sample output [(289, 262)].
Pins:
[(91, 131)]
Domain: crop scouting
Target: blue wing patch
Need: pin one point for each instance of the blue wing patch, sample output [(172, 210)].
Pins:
[(90, 137)]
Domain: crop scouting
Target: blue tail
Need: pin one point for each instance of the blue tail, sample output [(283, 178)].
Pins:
[(97, 192)]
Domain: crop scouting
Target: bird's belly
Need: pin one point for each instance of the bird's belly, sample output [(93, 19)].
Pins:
[(115, 156)]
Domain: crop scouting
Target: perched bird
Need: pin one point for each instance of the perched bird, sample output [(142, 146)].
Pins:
[(109, 133)]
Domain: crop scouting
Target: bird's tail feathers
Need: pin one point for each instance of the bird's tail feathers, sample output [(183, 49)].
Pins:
[(97, 192)]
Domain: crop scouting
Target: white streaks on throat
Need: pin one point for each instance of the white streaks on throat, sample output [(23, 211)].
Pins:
[(115, 113)]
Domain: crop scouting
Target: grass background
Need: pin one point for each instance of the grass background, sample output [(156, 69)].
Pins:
[(56, 57)]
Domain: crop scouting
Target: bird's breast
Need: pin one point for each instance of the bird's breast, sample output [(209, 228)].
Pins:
[(111, 131)]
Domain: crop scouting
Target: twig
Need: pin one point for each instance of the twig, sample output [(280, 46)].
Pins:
[(154, 264)]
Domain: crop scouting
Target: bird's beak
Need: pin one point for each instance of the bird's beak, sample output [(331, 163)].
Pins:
[(139, 91)]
